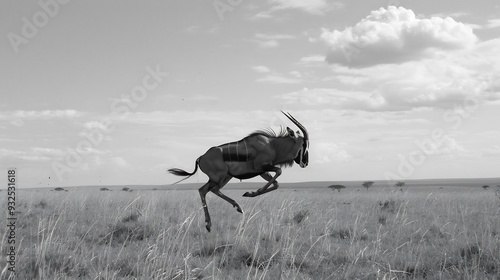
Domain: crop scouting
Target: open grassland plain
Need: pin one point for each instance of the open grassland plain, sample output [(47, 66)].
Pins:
[(379, 233)]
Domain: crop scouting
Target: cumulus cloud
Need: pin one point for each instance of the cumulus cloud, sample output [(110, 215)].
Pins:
[(395, 35), (442, 82), (446, 146), (420, 87)]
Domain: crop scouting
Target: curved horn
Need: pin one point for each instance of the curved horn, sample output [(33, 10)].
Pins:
[(299, 125)]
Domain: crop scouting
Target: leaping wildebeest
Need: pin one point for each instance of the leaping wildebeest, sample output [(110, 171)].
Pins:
[(259, 153)]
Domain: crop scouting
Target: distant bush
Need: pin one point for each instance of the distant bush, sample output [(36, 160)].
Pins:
[(399, 184), (485, 187), (368, 184), (104, 189), (337, 187)]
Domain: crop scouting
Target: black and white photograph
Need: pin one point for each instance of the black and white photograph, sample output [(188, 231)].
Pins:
[(238, 139)]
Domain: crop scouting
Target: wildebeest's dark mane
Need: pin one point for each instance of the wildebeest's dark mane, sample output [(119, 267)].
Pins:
[(269, 132)]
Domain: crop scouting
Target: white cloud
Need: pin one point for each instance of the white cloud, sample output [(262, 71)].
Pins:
[(452, 15), (440, 84), (313, 58), (33, 115), (474, 26), (192, 28), (315, 7), (443, 82), (333, 98), (447, 146), (493, 23), (273, 36), (274, 77), (267, 44), (119, 161), (296, 74), (261, 69), (492, 151), (397, 96), (312, 7), (102, 160), (33, 154), (18, 117), (202, 97), (270, 40), (277, 78), (95, 124), (328, 152), (263, 15), (395, 35), (52, 152)]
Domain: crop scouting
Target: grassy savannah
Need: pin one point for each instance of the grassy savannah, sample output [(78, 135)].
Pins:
[(358, 233)]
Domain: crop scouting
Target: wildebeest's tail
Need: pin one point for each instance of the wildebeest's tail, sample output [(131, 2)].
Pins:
[(180, 172)]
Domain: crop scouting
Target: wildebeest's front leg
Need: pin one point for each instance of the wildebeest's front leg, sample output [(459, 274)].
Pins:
[(271, 180)]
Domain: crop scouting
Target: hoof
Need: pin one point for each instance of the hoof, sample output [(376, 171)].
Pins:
[(238, 208), (252, 194)]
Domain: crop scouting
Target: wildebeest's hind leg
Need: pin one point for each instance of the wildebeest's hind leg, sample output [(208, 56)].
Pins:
[(216, 191), (270, 180), (212, 164), (203, 193)]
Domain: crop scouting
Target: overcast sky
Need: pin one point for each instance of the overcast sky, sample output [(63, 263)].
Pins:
[(117, 92)]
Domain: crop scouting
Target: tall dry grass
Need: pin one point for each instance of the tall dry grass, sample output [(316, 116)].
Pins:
[(421, 233)]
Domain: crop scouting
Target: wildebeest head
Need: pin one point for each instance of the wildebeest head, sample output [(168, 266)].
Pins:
[(302, 157)]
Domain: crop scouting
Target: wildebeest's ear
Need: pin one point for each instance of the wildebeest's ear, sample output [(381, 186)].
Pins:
[(290, 132)]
